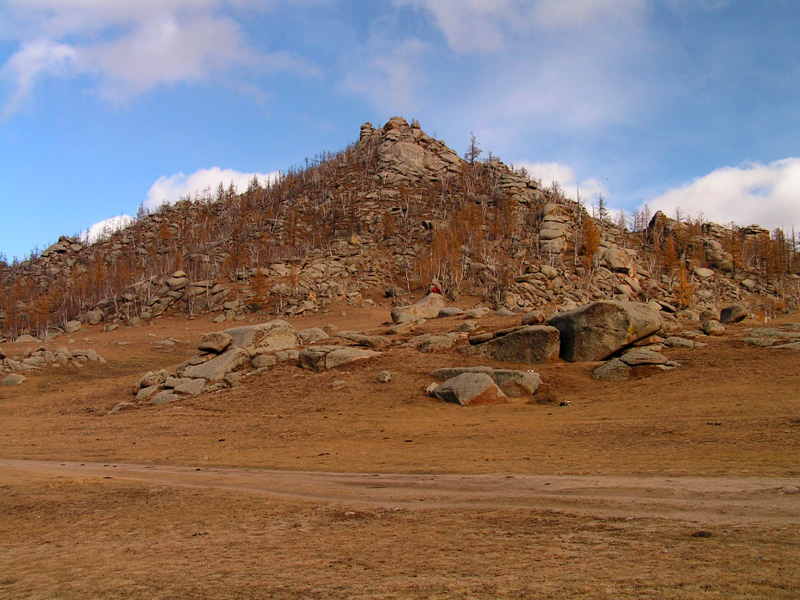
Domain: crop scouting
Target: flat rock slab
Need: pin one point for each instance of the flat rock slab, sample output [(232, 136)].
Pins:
[(514, 384), (530, 345), (598, 330), (470, 389), (427, 308), (165, 397), (271, 336), (640, 356), (713, 327), (370, 341), (216, 368), (322, 358)]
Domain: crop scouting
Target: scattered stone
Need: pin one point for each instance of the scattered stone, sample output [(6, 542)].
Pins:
[(450, 311), (26, 339), (703, 273), (467, 326), (733, 313), (476, 313), (13, 379), (598, 330), (470, 389), (370, 341), (215, 342), (121, 406), (713, 327), (144, 394), (384, 377), (613, 370), (338, 384), (427, 308), (533, 318), (72, 326), (514, 384), (153, 378)]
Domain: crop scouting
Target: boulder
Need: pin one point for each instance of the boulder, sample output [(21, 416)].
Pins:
[(427, 308), (713, 327), (514, 384), (613, 370), (271, 336), (470, 389), (530, 345), (192, 387), (321, 358), (215, 342), (620, 260), (13, 379), (216, 368), (703, 273), (598, 330), (370, 341), (26, 339), (733, 313), (435, 343)]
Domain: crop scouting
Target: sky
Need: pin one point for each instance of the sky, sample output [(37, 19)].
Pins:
[(106, 106)]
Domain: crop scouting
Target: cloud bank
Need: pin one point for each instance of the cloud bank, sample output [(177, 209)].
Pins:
[(104, 229), (564, 175), (763, 194)]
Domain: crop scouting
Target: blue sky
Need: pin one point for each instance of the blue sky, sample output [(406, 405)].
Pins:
[(105, 105)]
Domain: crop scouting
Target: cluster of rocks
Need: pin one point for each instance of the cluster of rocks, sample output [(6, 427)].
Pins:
[(40, 358), (472, 386), (786, 336), (228, 356)]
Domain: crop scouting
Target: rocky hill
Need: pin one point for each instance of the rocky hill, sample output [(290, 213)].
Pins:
[(394, 213)]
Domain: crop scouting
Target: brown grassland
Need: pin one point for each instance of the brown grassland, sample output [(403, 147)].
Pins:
[(677, 485)]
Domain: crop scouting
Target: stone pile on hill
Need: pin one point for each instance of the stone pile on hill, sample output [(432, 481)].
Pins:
[(40, 358)]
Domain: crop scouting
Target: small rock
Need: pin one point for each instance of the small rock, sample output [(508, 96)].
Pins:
[(13, 379), (713, 327), (215, 342), (733, 313), (470, 389), (384, 377), (613, 370)]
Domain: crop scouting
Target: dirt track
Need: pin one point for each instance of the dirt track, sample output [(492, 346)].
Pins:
[(720, 500)]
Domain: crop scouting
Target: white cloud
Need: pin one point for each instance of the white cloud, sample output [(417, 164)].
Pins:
[(388, 76), (131, 46), (34, 60), (170, 189), (565, 176), (103, 229), (768, 195)]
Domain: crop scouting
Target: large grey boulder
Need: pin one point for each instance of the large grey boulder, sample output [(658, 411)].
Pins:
[(613, 370), (470, 389), (271, 336), (427, 308), (514, 384), (530, 345), (597, 330), (216, 368)]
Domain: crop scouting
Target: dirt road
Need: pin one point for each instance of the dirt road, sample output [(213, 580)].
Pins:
[(718, 499)]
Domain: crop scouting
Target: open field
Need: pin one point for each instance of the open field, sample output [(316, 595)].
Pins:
[(285, 488)]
